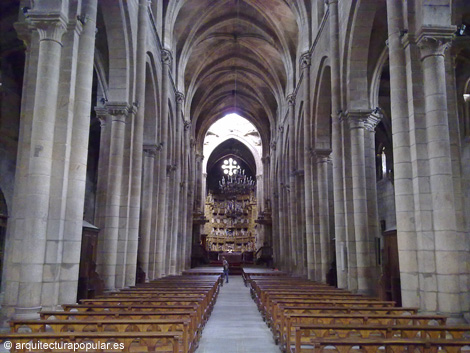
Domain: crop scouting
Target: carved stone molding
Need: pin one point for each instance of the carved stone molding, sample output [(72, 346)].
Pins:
[(150, 150), (266, 159), (199, 157), (179, 98), (50, 26), (323, 156), (23, 30), (171, 168), (281, 129), (166, 57), (435, 41), (373, 120), (120, 111), (76, 26), (102, 115), (305, 60), (291, 99), (357, 119), (273, 145)]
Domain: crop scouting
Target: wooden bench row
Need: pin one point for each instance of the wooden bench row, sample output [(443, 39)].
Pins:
[(305, 316), (165, 315)]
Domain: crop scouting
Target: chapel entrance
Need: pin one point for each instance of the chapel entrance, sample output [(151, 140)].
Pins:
[(391, 287)]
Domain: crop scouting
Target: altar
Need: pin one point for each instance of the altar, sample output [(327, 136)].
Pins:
[(231, 257)]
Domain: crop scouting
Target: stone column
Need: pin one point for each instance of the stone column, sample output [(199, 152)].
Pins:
[(188, 194), (266, 180), (337, 155), (459, 184), (175, 260), (357, 120), (108, 257), (11, 276), (103, 165), (371, 182), (292, 191), (301, 219), (323, 158), (307, 124), (137, 148), (199, 186), (147, 208), (170, 226), (78, 155), (203, 191), (403, 176), (50, 28), (162, 176), (276, 209), (317, 253), (152, 274), (433, 43)]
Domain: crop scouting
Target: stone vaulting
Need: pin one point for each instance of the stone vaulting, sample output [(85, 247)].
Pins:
[(363, 114)]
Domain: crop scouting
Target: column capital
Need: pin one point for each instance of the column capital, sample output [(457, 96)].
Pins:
[(166, 57), (120, 111), (179, 96), (50, 26), (187, 125), (273, 145), (102, 115), (305, 60), (23, 30), (373, 119), (291, 99), (266, 159), (199, 157), (434, 41), (322, 155), (281, 129), (171, 168), (359, 118), (150, 150)]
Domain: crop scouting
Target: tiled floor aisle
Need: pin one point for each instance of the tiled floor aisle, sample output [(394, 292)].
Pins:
[(235, 325)]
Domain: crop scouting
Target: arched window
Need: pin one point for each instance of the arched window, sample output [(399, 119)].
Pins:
[(384, 163)]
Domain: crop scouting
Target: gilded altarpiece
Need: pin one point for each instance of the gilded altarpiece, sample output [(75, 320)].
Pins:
[(231, 227)]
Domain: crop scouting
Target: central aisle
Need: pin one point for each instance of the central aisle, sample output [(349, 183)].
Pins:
[(236, 326)]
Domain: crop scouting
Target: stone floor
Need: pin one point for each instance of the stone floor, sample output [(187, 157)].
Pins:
[(236, 326)]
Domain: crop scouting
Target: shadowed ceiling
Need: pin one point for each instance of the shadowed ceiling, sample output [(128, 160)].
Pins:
[(233, 56)]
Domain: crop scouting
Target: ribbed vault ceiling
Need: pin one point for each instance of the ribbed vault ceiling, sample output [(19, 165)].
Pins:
[(233, 56)]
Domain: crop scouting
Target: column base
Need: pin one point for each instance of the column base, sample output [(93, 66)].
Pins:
[(466, 317), (27, 313)]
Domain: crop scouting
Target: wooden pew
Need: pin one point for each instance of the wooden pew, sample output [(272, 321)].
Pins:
[(273, 311), (395, 345), (174, 314), (177, 306), (305, 335), (286, 332), (81, 341), (160, 325)]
